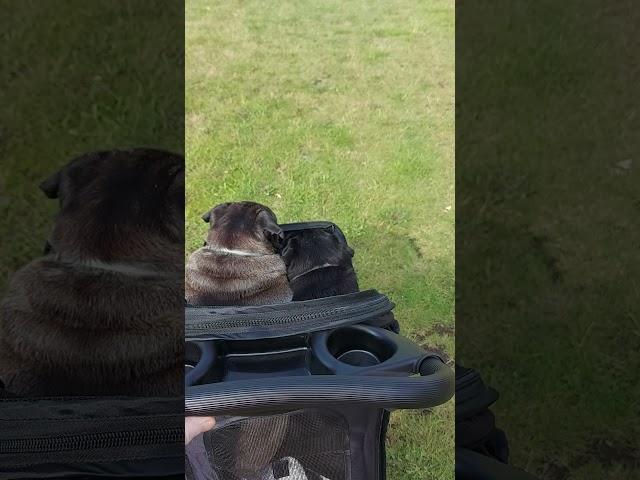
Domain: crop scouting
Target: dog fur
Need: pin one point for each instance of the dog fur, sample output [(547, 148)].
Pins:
[(319, 263), (102, 311), (239, 263)]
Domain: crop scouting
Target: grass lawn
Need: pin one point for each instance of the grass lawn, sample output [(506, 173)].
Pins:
[(343, 112), (548, 287)]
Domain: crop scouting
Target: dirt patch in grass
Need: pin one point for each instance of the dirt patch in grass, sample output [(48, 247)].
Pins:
[(436, 348), (442, 329)]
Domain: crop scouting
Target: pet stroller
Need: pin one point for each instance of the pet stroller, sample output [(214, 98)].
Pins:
[(302, 390)]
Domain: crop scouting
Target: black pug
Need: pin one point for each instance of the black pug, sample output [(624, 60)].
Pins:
[(102, 311), (319, 263)]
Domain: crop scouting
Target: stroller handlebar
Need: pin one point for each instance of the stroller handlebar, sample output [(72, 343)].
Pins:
[(435, 386)]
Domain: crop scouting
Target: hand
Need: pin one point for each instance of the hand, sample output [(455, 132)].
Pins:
[(194, 426)]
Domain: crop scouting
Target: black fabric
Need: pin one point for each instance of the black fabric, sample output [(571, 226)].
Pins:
[(287, 319), (472, 465), (384, 426), (109, 437), (392, 325), (475, 423), (366, 425), (291, 227)]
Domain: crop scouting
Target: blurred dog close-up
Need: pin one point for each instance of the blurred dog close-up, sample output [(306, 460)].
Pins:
[(240, 262), (101, 311), (319, 263)]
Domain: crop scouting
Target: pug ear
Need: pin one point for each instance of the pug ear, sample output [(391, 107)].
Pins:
[(275, 236), (271, 229), (51, 186), (212, 215)]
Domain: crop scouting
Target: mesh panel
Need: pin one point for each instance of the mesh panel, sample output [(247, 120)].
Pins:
[(303, 445)]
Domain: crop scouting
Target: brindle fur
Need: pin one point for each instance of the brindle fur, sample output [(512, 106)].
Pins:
[(239, 264), (102, 312)]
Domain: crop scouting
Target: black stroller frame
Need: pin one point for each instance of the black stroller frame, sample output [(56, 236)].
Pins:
[(303, 390)]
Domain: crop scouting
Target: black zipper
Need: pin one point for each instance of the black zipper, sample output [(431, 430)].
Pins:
[(206, 322), (93, 441), (283, 319), (82, 435)]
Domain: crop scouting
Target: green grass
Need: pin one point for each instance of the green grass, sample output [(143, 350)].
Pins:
[(548, 286), (77, 77), (343, 112)]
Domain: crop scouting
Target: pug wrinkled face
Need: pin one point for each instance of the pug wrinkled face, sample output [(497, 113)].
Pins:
[(118, 205), (241, 224)]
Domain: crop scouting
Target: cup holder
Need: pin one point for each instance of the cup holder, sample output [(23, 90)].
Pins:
[(360, 346), (192, 355), (199, 361)]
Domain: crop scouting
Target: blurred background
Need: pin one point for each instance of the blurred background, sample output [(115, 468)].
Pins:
[(78, 77)]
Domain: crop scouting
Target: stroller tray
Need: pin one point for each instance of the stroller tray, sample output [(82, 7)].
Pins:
[(234, 370), (310, 401)]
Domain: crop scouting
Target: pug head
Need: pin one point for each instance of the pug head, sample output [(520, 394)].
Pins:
[(119, 205), (244, 226), (305, 249)]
